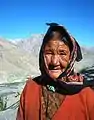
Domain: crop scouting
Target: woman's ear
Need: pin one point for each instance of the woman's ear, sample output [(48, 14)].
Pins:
[(79, 53)]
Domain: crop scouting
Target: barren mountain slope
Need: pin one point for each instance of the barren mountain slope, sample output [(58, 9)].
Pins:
[(21, 59), (15, 62), (32, 45)]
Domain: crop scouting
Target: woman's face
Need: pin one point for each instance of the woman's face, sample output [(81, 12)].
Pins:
[(56, 57)]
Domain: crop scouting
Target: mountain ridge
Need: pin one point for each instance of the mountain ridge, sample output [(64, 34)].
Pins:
[(20, 58)]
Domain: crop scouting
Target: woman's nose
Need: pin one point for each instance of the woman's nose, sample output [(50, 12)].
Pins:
[(55, 59)]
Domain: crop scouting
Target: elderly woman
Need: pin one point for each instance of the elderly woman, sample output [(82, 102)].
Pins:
[(58, 93)]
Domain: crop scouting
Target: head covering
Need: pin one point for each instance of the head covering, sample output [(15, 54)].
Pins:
[(59, 86), (76, 54)]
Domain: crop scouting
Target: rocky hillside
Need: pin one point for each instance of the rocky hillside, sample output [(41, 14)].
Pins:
[(32, 45), (20, 59), (88, 59), (15, 63)]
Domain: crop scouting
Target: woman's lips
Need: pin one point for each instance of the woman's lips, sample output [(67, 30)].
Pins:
[(55, 70)]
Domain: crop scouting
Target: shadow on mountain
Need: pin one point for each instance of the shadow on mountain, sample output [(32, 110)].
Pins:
[(88, 72)]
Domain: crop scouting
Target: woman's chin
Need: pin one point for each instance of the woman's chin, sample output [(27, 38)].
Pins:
[(54, 73)]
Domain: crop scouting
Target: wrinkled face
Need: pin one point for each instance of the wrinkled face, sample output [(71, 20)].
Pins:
[(56, 57)]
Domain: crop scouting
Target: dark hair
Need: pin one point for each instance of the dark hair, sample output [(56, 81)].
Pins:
[(58, 32)]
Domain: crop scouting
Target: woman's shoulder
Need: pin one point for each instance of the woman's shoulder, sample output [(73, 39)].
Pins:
[(32, 84), (87, 98), (87, 94), (33, 81), (88, 91)]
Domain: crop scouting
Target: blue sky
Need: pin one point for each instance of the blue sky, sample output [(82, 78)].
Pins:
[(22, 18)]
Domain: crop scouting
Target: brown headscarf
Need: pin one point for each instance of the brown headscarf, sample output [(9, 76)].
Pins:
[(68, 74)]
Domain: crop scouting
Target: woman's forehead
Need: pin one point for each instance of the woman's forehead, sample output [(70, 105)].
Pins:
[(55, 43)]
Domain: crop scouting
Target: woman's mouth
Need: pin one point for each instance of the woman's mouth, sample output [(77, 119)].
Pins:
[(55, 70), (54, 73)]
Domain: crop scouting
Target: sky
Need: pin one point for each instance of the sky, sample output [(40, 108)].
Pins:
[(22, 18)]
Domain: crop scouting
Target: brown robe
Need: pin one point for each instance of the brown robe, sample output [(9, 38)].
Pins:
[(74, 107)]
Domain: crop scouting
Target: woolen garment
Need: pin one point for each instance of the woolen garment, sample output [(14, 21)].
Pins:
[(78, 106)]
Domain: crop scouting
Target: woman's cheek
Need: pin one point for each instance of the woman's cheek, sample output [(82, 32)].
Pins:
[(47, 59), (64, 61)]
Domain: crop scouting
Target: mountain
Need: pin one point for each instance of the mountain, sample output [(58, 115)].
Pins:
[(88, 59), (32, 45), (15, 63), (20, 58)]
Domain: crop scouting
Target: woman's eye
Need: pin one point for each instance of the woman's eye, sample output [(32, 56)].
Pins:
[(62, 53), (48, 52)]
